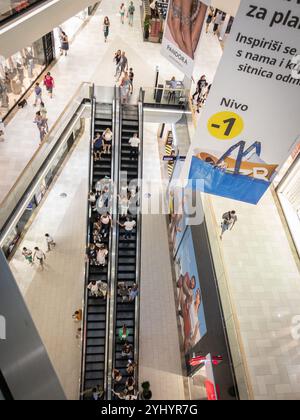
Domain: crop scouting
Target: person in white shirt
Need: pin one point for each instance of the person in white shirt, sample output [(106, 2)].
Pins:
[(40, 256), (129, 226), (50, 242), (101, 255), (217, 22), (135, 144), (124, 205), (2, 130)]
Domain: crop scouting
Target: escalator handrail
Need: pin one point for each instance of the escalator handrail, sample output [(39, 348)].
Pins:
[(114, 270), (139, 243), (87, 266), (111, 267)]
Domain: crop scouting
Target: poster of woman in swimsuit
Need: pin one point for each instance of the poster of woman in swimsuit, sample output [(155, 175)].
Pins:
[(190, 304), (182, 33)]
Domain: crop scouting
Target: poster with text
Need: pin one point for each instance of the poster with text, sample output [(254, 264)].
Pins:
[(190, 308), (250, 124), (184, 26)]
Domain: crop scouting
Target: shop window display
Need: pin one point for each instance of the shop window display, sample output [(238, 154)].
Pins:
[(17, 74)]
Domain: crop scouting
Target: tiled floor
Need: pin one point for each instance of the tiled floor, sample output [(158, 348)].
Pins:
[(54, 294), (265, 286), (160, 360)]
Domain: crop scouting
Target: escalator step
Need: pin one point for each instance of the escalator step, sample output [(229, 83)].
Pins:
[(97, 375), (92, 367)]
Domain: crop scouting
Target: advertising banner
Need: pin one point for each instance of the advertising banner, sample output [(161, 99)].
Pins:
[(184, 26), (250, 124), (191, 308)]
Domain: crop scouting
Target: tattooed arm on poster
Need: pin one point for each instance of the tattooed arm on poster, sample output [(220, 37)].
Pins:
[(185, 20), (197, 28)]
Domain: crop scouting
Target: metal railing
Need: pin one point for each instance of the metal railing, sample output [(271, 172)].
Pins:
[(87, 265), (113, 272), (164, 97), (27, 176)]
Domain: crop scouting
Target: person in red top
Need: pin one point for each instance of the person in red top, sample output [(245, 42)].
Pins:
[(49, 83)]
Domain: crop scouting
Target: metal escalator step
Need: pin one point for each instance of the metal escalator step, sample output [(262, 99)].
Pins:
[(126, 268), (92, 367), (127, 261), (95, 342), (92, 350), (97, 375), (95, 333), (94, 325), (95, 358)]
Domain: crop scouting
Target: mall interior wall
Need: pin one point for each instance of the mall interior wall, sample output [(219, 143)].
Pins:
[(37, 23), (24, 363)]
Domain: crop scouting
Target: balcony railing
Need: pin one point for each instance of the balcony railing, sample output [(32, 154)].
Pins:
[(162, 97), (10, 202)]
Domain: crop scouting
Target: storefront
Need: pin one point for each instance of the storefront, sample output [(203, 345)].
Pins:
[(289, 195), (154, 14), (19, 72)]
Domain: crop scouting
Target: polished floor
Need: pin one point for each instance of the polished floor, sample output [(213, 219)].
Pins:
[(258, 267), (55, 293)]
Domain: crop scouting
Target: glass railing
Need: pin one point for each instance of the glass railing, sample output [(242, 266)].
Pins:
[(10, 202), (163, 97), (9, 9)]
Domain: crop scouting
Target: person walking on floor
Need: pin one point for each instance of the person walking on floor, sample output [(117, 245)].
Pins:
[(123, 65), (117, 59), (210, 17), (49, 84), (38, 94), (40, 256), (27, 253), (44, 112), (217, 22), (202, 82), (130, 14), (40, 122), (122, 13), (2, 130), (106, 27), (131, 78), (229, 219), (65, 46), (134, 142), (50, 242)]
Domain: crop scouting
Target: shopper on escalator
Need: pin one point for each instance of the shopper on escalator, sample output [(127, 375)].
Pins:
[(128, 226), (135, 144), (98, 147)]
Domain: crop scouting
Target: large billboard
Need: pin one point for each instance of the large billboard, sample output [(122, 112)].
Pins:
[(190, 307), (250, 124), (183, 29)]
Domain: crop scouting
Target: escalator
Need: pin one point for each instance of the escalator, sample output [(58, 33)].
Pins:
[(127, 256), (94, 358)]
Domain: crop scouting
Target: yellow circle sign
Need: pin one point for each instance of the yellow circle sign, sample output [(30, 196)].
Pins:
[(225, 125)]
